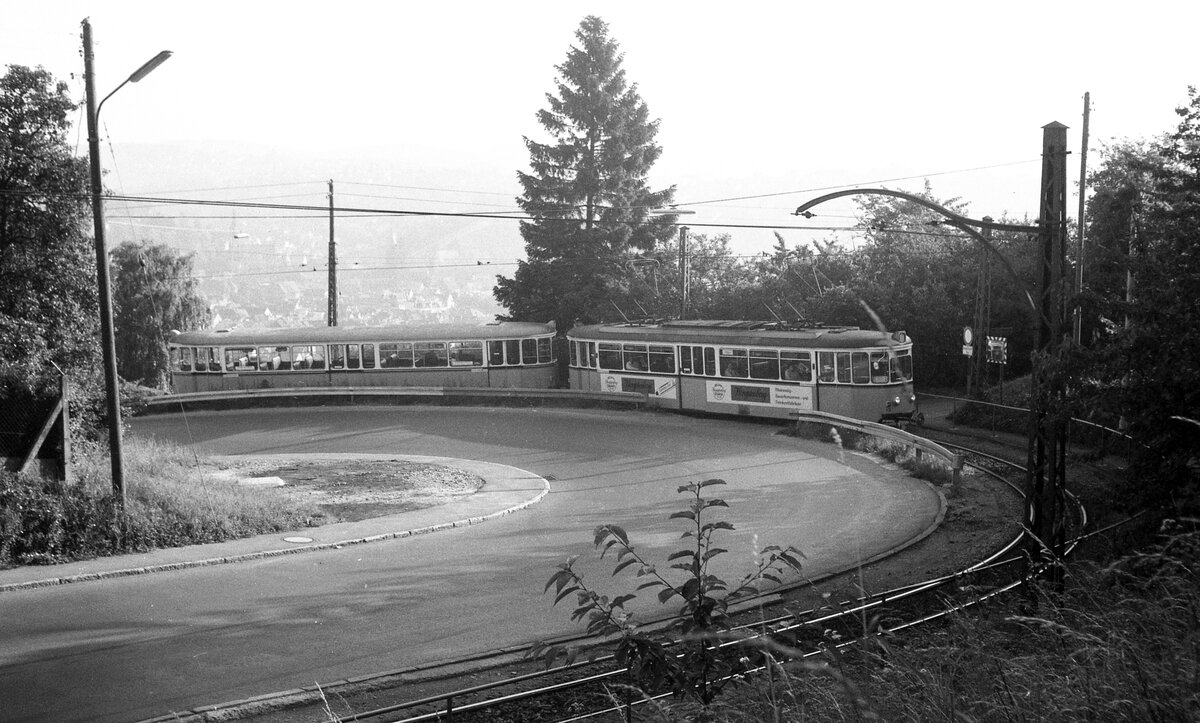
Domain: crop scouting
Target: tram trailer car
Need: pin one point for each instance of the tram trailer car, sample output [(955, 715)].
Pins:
[(749, 368), (499, 354)]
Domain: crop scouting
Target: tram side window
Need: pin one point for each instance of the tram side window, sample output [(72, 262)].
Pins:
[(308, 357), (764, 364), (512, 351), (466, 353), (396, 355), (610, 356), (796, 366), (685, 360), (269, 357), (825, 371), (208, 356), (344, 356), (710, 362), (843, 367), (574, 361), (181, 358), (529, 351), (902, 367), (733, 363), (368, 356), (430, 354), (593, 356), (635, 357), (241, 359), (662, 359), (545, 350), (860, 367), (495, 353)]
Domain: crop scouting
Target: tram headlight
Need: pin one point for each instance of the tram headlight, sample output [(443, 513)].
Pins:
[(896, 401)]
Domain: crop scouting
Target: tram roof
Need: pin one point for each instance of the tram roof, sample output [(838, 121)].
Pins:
[(748, 333), (335, 334)]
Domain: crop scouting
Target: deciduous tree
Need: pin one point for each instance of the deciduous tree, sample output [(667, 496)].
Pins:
[(1147, 358), (47, 282), (154, 291)]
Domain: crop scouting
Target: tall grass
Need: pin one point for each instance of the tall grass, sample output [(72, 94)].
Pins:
[(170, 502), (1121, 643), (926, 467)]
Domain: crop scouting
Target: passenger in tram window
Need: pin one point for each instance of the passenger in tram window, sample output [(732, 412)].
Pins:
[(276, 362), (733, 369), (634, 364), (797, 371)]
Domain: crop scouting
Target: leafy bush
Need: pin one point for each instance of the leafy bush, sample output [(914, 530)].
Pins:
[(45, 521), (703, 665)]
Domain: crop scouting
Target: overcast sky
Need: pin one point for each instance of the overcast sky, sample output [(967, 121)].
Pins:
[(772, 100)]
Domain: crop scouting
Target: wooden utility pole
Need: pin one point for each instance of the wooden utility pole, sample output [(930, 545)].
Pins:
[(977, 370), (333, 304), (684, 272), (1080, 246), (1047, 439), (112, 382)]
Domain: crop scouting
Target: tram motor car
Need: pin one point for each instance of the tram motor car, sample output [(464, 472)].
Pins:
[(753, 368)]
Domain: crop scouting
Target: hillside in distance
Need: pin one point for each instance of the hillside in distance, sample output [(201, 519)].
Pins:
[(260, 265)]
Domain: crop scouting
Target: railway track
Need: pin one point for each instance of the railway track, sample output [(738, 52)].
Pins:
[(805, 620), (802, 620)]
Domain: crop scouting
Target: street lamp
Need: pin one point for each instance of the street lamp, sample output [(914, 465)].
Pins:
[(1046, 473), (104, 289)]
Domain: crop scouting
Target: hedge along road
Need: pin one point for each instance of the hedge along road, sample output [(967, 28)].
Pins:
[(136, 647)]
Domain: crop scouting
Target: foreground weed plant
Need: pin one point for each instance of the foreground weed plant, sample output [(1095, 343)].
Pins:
[(695, 654)]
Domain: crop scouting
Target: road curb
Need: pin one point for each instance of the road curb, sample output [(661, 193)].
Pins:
[(280, 552)]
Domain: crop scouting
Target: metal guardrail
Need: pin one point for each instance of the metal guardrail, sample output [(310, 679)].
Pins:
[(1083, 426), (892, 434), (353, 395)]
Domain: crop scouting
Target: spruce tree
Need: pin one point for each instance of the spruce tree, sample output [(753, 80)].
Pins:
[(586, 192)]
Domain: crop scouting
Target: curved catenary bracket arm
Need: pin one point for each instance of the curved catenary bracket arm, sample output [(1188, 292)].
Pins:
[(962, 223)]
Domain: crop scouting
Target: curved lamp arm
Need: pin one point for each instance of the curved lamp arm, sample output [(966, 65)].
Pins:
[(137, 75), (962, 223)]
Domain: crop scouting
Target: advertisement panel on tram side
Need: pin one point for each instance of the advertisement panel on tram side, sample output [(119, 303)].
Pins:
[(792, 397), (657, 388)]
